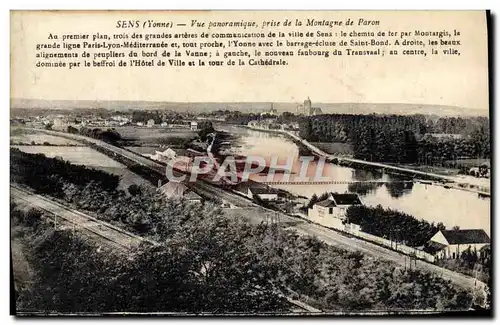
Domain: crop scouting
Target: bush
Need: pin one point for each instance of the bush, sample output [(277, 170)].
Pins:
[(33, 216), (134, 190)]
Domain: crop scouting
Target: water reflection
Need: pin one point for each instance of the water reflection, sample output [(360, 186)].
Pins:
[(363, 188), (429, 202), (398, 189)]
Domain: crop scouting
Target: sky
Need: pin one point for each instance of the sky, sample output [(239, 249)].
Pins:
[(436, 80)]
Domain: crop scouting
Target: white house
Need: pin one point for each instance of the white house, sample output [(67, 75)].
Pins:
[(194, 126), (164, 156), (174, 189), (451, 243), (332, 211), (151, 123), (265, 193)]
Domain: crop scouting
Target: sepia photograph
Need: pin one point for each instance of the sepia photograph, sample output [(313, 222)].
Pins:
[(250, 163)]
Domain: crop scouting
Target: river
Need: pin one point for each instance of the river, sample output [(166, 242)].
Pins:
[(429, 202)]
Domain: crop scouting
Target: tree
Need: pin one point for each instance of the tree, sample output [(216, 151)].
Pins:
[(134, 190), (312, 201), (33, 216), (72, 130)]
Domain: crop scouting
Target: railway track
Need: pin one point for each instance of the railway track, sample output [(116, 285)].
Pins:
[(332, 182), (106, 232), (200, 186)]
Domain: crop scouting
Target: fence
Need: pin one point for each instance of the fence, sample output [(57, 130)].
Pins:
[(355, 230)]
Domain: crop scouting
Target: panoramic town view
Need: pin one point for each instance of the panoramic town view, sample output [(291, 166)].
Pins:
[(253, 208)]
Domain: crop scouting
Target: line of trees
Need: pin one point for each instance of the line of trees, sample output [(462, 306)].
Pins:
[(393, 138), (401, 138), (109, 135), (393, 225), (49, 175)]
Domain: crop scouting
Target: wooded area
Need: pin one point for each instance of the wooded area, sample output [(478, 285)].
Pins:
[(403, 139)]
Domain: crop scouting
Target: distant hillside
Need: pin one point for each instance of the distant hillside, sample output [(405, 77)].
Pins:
[(327, 108)]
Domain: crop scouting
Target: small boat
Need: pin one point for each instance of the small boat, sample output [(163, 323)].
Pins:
[(421, 181), (483, 195)]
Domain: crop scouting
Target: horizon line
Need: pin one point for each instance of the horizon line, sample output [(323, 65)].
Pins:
[(239, 102)]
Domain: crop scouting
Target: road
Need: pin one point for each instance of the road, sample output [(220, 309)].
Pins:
[(327, 235), (336, 239)]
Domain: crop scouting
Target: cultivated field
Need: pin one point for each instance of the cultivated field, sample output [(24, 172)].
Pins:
[(76, 155), (90, 158), (42, 139), (23, 136), (127, 177), (155, 136)]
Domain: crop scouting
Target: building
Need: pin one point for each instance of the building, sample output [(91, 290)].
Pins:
[(265, 193), (60, 124), (253, 124), (451, 243), (151, 123), (177, 190), (164, 156), (271, 112), (482, 171), (194, 126), (261, 191), (332, 211), (307, 109)]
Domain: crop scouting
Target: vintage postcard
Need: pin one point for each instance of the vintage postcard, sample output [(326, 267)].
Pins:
[(250, 163)]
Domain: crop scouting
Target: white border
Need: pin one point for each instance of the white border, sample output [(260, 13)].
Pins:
[(200, 4)]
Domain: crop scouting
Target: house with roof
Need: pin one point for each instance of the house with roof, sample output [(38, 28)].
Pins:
[(252, 190), (165, 156), (331, 212), (263, 192), (451, 243), (177, 190)]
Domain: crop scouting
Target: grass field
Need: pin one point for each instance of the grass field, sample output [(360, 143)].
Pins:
[(25, 136), (145, 136), (90, 158), (42, 139), (127, 177), (76, 155)]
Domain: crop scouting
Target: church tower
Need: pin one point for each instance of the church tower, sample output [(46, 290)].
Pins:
[(307, 106)]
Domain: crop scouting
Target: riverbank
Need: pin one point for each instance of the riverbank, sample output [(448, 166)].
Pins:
[(461, 183)]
